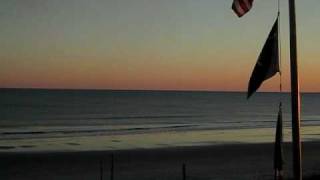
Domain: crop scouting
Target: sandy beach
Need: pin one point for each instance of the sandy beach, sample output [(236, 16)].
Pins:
[(237, 161)]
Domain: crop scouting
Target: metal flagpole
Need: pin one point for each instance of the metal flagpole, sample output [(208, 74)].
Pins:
[(295, 94)]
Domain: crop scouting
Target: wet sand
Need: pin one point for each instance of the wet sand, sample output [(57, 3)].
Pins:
[(237, 161)]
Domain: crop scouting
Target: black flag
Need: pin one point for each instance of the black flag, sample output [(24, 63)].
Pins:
[(268, 61), (278, 156)]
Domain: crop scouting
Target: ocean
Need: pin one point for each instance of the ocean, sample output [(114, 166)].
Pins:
[(72, 120)]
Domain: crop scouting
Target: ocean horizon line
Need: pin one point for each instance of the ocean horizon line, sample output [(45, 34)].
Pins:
[(140, 90)]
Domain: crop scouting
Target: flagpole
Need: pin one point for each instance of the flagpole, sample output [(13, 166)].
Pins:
[(295, 95)]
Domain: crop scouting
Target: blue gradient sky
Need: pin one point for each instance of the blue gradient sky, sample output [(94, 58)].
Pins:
[(148, 44)]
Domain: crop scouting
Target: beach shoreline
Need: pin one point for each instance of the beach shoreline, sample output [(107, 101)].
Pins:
[(228, 161)]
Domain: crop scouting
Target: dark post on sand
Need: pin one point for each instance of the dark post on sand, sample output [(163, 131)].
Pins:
[(112, 167), (101, 170), (184, 171)]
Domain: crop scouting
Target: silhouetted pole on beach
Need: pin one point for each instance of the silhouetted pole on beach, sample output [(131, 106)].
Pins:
[(295, 94), (112, 167), (101, 170), (184, 171)]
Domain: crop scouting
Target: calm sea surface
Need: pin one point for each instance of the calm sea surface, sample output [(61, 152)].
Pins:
[(44, 114)]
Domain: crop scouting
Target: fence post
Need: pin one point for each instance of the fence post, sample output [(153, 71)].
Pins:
[(183, 171), (112, 168), (101, 170)]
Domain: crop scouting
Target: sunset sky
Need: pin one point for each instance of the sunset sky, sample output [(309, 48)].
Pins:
[(148, 44)]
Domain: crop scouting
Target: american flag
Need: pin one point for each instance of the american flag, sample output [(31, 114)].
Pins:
[(241, 7)]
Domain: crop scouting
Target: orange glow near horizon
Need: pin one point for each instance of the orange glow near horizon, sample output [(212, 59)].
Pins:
[(148, 45)]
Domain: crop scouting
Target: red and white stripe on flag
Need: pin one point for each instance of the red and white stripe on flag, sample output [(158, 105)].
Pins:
[(241, 7)]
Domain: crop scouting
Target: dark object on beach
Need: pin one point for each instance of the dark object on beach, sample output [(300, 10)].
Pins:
[(278, 153), (101, 170), (184, 171), (112, 167)]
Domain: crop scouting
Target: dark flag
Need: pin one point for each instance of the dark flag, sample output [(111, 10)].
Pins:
[(241, 7), (278, 156), (268, 61)]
